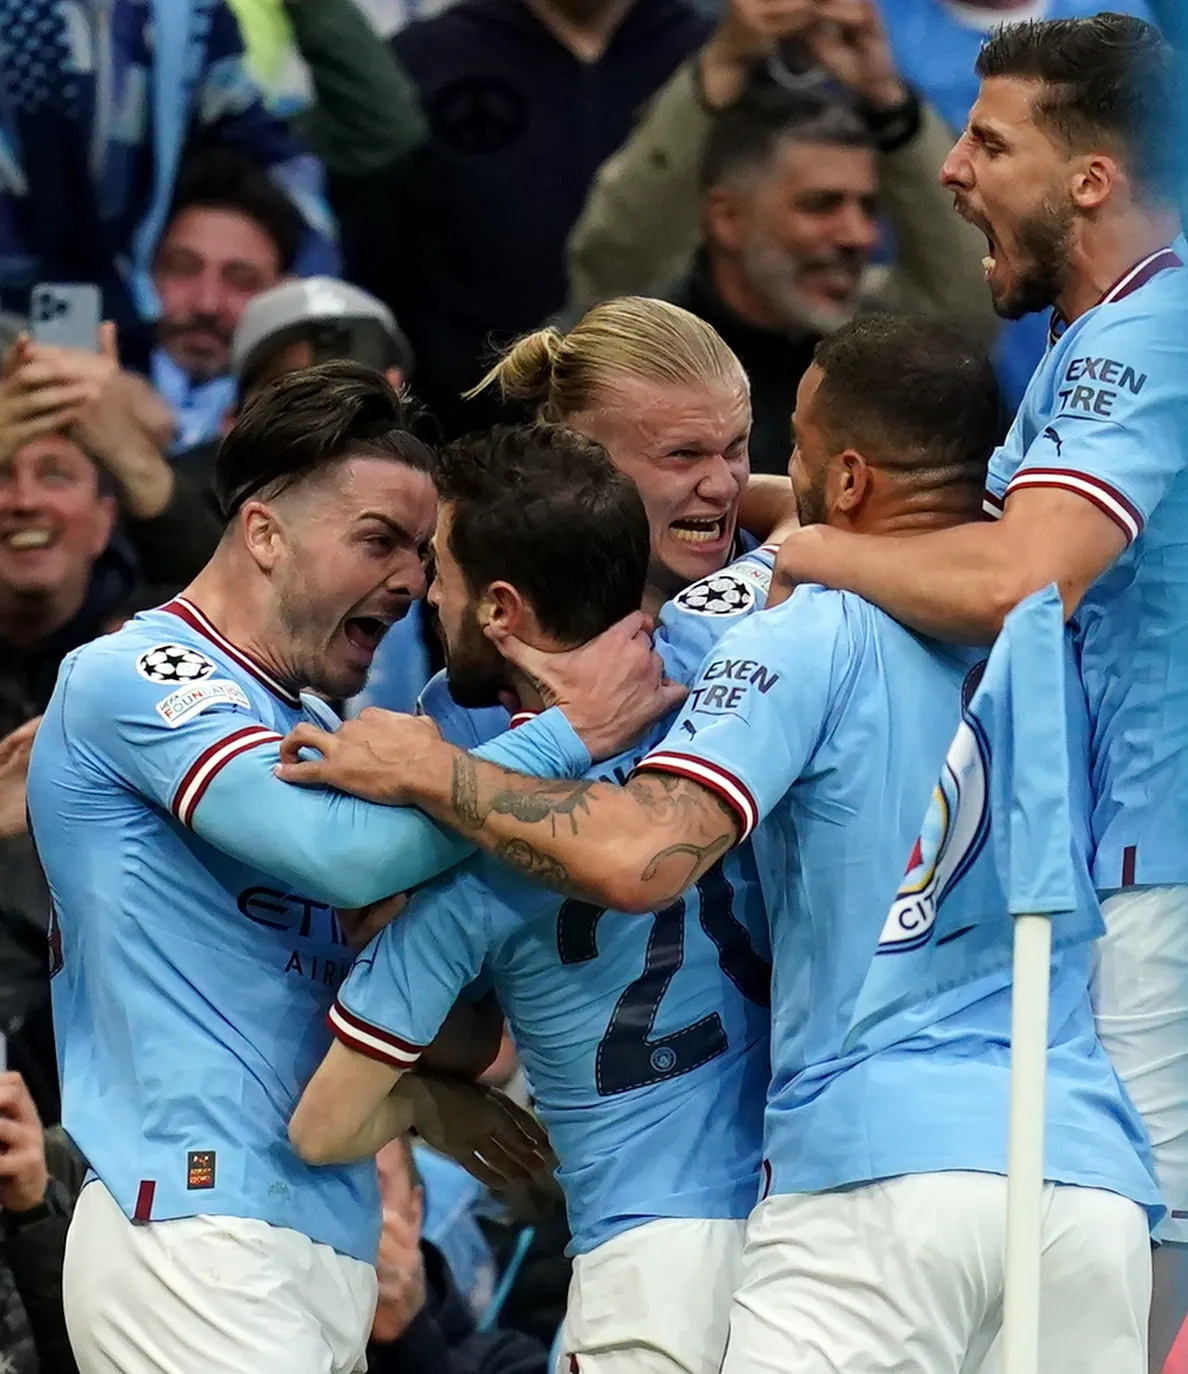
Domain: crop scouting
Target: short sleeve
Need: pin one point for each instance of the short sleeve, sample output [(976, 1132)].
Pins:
[(403, 985), (760, 704), (1117, 431), (167, 742)]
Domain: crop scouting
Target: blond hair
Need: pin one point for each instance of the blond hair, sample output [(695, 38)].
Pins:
[(633, 336)]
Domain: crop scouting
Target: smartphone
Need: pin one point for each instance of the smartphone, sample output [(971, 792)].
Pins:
[(66, 315)]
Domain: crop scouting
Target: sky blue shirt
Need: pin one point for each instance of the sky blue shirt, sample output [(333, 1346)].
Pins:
[(824, 723), (644, 1037), (196, 942), (1106, 417)]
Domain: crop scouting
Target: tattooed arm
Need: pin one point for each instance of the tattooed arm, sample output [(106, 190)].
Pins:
[(633, 848)]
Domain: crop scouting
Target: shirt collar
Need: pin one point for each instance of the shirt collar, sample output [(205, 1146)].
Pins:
[(1126, 285)]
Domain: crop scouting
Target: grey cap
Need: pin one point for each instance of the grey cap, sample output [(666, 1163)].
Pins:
[(310, 300)]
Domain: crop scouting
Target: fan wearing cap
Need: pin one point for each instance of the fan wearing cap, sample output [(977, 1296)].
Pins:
[(169, 508)]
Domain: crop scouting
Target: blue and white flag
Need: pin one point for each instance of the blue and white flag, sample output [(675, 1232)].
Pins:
[(1006, 834)]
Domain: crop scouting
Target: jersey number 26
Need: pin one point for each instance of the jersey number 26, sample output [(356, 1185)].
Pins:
[(627, 1058)]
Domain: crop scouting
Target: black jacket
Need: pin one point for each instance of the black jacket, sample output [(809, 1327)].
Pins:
[(469, 242), (442, 1339), (774, 363)]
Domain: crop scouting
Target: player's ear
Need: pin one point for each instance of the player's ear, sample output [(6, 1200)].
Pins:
[(848, 484), (503, 608), (1093, 179), (261, 533)]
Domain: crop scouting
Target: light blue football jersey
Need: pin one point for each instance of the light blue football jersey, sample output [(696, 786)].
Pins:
[(644, 1037), (824, 724), (1106, 417), (195, 938)]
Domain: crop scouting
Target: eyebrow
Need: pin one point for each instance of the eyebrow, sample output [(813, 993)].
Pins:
[(394, 525), (985, 133)]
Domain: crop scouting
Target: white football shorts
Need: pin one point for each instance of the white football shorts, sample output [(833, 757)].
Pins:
[(1140, 997), (653, 1300), (905, 1276), (209, 1295)]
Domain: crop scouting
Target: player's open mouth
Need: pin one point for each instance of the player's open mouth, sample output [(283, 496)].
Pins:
[(990, 261), (365, 631), (692, 531)]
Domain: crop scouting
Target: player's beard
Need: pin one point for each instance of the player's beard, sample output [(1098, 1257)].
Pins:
[(1045, 238), (475, 670), (810, 502)]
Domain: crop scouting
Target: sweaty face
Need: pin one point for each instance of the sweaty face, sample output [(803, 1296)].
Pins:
[(53, 521), (807, 231), (475, 670), (351, 563), (1007, 174), (811, 452), (209, 266), (685, 448)]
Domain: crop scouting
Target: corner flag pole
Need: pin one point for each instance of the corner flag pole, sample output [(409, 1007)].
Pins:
[(1025, 1152)]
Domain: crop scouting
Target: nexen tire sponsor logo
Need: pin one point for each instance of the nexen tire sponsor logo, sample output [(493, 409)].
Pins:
[(716, 692)]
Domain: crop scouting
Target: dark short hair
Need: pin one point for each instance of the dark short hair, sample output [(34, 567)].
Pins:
[(226, 179), (1108, 79), (745, 136), (303, 423), (546, 510), (911, 394)]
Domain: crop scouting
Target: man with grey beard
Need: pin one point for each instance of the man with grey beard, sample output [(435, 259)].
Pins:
[(791, 194)]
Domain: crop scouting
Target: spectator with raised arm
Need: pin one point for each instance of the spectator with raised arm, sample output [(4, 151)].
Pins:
[(642, 223)]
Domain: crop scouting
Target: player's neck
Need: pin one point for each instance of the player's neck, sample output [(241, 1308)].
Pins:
[(234, 604), (1107, 250), (921, 514)]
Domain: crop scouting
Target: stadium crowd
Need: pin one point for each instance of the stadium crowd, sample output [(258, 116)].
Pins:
[(657, 409)]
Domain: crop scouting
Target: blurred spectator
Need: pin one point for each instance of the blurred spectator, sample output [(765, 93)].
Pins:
[(936, 43), (97, 102), (790, 227), (168, 509), (423, 1325), (785, 185), (232, 233), (638, 228), (524, 101), (32, 1324), (60, 576), (365, 114)]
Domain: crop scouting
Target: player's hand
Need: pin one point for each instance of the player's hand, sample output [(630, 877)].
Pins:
[(374, 756), (610, 689), (362, 924), (848, 40), (794, 563), (482, 1130), (15, 749), (24, 1176)]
